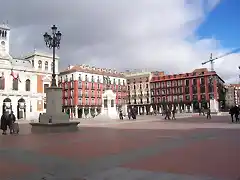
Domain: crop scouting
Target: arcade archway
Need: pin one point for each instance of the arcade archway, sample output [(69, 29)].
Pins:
[(7, 105), (21, 109)]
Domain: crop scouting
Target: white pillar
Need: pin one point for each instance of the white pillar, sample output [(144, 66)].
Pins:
[(76, 112), (83, 114), (178, 107)]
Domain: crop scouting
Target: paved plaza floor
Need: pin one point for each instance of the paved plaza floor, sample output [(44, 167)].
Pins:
[(184, 149)]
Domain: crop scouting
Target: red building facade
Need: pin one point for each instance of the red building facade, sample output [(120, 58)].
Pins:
[(187, 91), (83, 86)]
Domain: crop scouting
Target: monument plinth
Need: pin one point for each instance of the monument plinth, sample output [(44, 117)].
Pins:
[(54, 120), (109, 110)]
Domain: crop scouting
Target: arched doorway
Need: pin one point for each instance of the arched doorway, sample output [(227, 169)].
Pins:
[(21, 109), (7, 105)]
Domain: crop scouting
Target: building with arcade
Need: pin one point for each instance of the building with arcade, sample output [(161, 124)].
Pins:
[(83, 87), (23, 80), (187, 91)]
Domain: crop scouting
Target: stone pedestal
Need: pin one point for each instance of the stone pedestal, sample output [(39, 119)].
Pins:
[(109, 110), (214, 106), (54, 120)]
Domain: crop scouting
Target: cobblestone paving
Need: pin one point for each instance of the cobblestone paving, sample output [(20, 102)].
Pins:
[(137, 151)]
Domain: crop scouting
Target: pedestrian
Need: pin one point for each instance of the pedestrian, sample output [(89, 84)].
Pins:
[(232, 112), (236, 113), (167, 114), (173, 114), (13, 126), (209, 113), (121, 115), (4, 122)]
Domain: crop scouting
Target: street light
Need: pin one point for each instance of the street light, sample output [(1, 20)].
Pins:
[(53, 41)]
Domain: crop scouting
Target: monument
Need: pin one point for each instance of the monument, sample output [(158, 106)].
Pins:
[(54, 120), (109, 109), (214, 106)]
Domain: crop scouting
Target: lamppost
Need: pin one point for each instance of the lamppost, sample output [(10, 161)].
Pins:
[(53, 41)]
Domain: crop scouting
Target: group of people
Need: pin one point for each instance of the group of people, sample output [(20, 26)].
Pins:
[(8, 122), (234, 111), (131, 114), (168, 112)]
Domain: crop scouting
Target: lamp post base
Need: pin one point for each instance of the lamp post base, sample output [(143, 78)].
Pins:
[(54, 118)]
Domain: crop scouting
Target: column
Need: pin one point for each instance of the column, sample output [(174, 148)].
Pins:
[(76, 112), (83, 114), (185, 108), (191, 107), (178, 107), (95, 111), (70, 113)]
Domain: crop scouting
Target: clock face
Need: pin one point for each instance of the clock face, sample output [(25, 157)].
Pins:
[(3, 43)]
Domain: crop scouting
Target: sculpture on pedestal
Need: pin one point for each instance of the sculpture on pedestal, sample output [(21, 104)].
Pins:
[(54, 120)]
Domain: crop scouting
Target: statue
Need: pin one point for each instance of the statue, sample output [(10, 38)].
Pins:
[(107, 81)]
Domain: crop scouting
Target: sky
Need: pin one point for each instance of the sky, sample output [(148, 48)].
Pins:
[(174, 36)]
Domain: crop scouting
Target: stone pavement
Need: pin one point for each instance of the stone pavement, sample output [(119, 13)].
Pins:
[(185, 149)]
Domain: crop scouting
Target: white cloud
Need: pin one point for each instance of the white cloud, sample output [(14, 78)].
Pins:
[(125, 34)]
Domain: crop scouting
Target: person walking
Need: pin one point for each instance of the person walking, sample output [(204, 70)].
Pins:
[(173, 114), (232, 112), (236, 113), (13, 126), (120, 115), (4, 122), (209, 113), (168, 113)]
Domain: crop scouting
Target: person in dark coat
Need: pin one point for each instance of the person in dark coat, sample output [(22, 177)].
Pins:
[(236, 112), (167, 114), (173, 114), (209, 113), (232, 112), (11, 121), (4, 122), (121, 115)]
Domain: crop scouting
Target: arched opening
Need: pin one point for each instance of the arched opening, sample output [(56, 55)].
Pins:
[(2, 83), (21, 109), (39, 64), (46, 66), (15, 84), (7, 105), (27, 85)]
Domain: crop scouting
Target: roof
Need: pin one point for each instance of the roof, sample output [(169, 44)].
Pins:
[(4, 26), (41, 54), (92, 70), (195, 73)]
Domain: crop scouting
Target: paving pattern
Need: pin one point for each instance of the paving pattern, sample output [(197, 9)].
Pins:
[(186, 149)]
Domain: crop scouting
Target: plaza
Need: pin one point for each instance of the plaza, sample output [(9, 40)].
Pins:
[(191, 148)]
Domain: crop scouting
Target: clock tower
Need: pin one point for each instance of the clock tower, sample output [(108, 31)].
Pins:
[(4, 39)]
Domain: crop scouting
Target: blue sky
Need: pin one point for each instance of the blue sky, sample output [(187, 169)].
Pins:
[(223, 24)]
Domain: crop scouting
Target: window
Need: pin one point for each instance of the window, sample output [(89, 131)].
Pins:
[(46, 66), (187, 82), (123, 82), (27, 85), (146, 86), (45, 87), (33, 63), (186, 90), (2, 83), (98, 86), (194, 82), (194, 89), (202, 89), (187, 97), (92, 79), (40, 64), (86, 78), (79, 78), (119, 82), (15, 84)]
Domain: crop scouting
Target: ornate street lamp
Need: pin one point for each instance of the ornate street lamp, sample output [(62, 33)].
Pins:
[(53, 41)]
